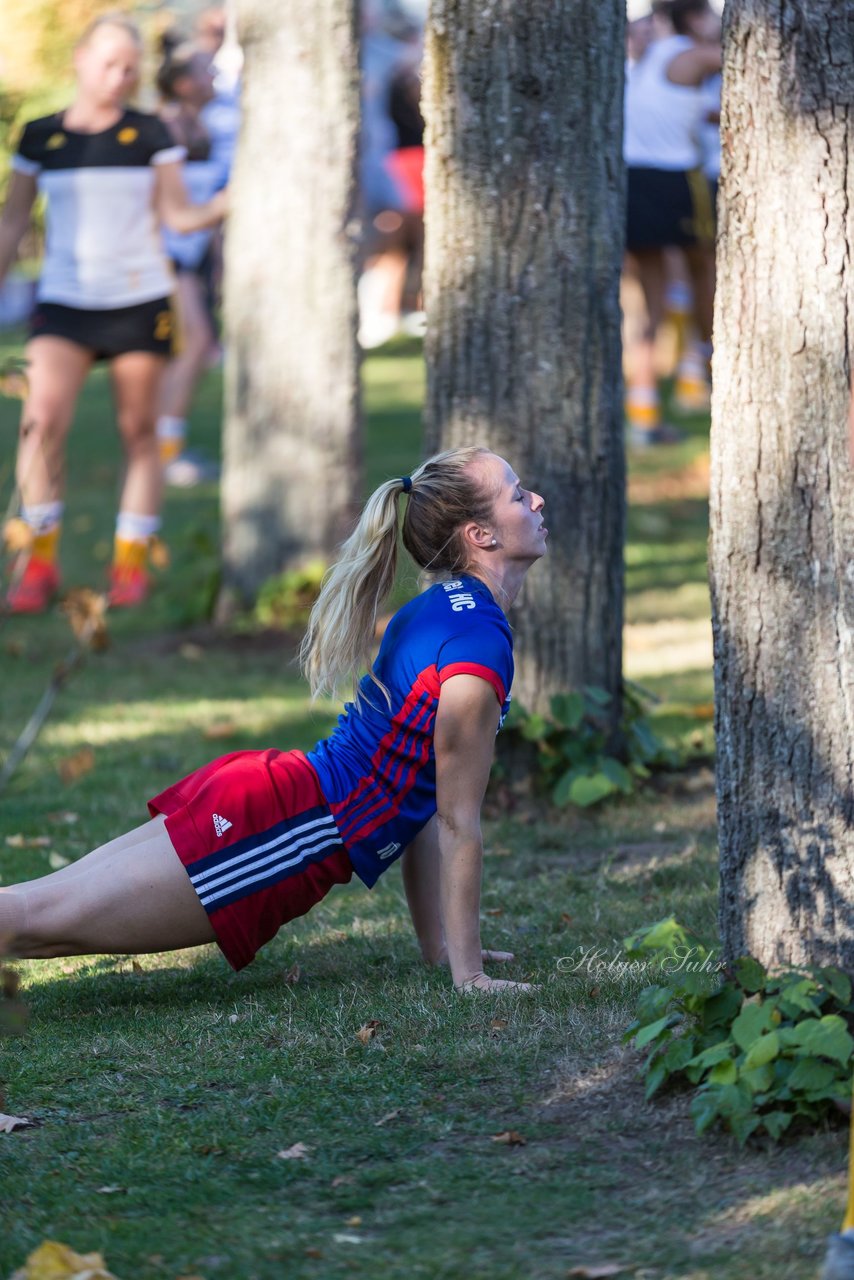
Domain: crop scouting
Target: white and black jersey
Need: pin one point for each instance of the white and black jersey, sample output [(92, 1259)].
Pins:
[(103, 245)]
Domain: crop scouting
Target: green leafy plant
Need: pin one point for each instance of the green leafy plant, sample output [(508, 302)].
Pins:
[(285, 600), (573, 759), (760, 1049)]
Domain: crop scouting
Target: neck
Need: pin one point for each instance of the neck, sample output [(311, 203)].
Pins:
[(92, 114), (504, 581)]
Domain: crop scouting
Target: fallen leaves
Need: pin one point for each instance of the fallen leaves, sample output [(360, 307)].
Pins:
[(17, 535), (9, 1123), (299, 1151), (598, 1271), (77, 765), (86, 610), (510, 1138), (13, 378), (55, 1261), (390, 1115), (222, 729), (368, 1030), (19, 841)]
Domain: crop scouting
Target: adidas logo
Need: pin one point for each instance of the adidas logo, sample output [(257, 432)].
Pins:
[(221, 825)]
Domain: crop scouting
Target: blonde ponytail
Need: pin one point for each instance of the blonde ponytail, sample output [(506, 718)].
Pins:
[(443, 494)]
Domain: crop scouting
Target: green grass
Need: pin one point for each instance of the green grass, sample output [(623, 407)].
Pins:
[(164, 1090)]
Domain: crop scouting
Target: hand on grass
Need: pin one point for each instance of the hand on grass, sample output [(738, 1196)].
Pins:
[(480, 982)]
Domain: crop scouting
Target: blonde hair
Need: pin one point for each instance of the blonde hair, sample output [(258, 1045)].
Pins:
[(113, 18), (445, 493)]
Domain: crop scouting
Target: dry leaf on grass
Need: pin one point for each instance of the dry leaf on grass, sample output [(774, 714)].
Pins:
[(17, 535), (598, 1272), (293, 975), (510, 1138), (8, 1123), (313, 1253), (158, 553), (498, 1024), (368, 1030), (64, 815), (224, 729), (19, 841), (355, 1221), (13, 378), (55, 1261), (298, 1151), (85, 610), (77, 765), (111, 1191), (342, 1180), (495, 911), (391, 1115)]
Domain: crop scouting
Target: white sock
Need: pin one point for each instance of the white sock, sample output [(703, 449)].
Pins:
[(169, 428), (133, 528), (42, 516)]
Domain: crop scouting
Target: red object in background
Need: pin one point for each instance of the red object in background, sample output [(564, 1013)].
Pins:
[(406, 166)]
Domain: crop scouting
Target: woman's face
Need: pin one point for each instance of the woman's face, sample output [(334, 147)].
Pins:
[(517, 513), (197, 86), (107, 66)]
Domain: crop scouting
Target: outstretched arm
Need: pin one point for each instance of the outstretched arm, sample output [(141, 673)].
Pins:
[(463, 743), (420, 867), (174, 207)]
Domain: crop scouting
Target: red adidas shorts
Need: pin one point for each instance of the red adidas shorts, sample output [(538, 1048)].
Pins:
[(258, 842)]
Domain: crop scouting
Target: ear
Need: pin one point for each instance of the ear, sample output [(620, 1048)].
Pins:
[(476, 536)]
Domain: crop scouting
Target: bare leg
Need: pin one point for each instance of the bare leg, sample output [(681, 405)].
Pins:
[(130, 896), (56, 371), (136, 387), (197, 338)]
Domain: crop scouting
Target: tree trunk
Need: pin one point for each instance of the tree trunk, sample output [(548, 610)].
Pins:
[(291, 446), (782, 500), (525, 229)]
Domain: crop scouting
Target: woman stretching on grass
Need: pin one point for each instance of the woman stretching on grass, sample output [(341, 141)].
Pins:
[(261, 836)]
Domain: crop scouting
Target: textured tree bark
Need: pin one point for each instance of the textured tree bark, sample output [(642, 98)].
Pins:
[(782, 494), (524, 236), (291, 443)]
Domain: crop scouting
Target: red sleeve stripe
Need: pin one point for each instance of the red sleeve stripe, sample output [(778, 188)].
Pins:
[(474, 669)]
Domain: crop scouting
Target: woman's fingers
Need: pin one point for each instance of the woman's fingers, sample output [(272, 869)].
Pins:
[(503, 957), (482, 983)]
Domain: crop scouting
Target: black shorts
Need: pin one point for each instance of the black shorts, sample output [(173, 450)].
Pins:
[(146, 326), (668, 207)]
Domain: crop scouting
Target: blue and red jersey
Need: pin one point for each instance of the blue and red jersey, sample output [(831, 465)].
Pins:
[(377, 770)]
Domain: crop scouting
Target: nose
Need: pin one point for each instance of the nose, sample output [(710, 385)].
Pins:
[(537, 501)]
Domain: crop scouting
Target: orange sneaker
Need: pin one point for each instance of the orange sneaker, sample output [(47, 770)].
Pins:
[(129, 586), (36, 587)]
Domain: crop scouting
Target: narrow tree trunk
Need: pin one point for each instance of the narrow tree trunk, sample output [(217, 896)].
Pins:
[(525, 229), (782, 502), (291, 472)]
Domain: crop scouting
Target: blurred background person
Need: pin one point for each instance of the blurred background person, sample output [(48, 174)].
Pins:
[(111, 176), (185, 81), (668, 200), (391, 168)]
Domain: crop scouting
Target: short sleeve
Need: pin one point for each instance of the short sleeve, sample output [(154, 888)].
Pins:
[(484, 650), (27, 159), (164, 148)]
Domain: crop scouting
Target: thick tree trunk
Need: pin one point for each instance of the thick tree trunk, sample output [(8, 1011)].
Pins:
[(525, 228), (782, 502), (291, 471)]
